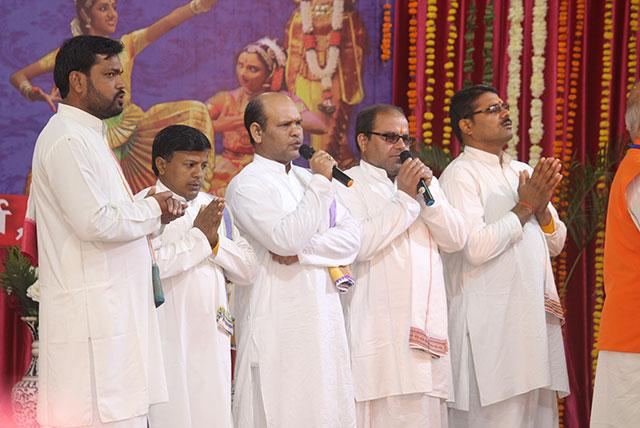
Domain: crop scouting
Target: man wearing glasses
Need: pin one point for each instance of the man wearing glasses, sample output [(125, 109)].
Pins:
[(396, 314), (504, 313)]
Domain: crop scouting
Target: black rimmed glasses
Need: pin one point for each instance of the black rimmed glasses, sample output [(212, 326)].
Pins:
[(492, 109), (392, 137)]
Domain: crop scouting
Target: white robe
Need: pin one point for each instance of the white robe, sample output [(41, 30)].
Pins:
[(289, 323), (378, 308), (95, 274), (196, 350), (496, 286)]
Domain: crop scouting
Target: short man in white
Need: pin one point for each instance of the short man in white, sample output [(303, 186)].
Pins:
[(504, 312), (293, 360), (100, 359), (196, 254), (397, 312)]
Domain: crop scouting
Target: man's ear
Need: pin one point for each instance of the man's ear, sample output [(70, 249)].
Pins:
[(465, 126), (78, 82), (256, 132), (161, 164), (362, 141)]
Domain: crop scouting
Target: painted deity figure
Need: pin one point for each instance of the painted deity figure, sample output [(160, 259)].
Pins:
[(325, 41)]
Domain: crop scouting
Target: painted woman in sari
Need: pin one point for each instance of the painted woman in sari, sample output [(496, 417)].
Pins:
[(259, 68), (131, 133)]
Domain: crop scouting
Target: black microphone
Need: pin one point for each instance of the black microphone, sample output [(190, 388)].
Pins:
[(422, 186), (308, 151)]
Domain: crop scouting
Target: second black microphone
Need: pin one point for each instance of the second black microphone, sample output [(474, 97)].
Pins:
[(422, 186), (308, 151)]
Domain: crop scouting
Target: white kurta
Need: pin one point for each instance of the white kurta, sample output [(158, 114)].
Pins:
[(378, 308), (95, 274), (196, 350), (496, 286), (289, 323)]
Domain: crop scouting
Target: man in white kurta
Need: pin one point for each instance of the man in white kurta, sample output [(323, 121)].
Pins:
[(100, 360), (398, 382), (197, 254), (293, 360), (504, 312)]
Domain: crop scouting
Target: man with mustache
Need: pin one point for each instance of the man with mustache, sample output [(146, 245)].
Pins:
[(397, 312), (504, 313), (293, 361), (101, 363), (197, 255)]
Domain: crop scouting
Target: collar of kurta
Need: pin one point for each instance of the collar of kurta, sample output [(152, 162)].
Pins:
[(375, 172), (270, 165), (487, 157), (81, 117)]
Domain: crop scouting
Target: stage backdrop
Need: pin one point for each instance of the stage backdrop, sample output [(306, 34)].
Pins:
[(188, 76)]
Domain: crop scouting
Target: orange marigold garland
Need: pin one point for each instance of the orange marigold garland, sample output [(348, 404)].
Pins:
[(632, 53), (429, 71), (561, 149), (449, 66), (412, 92), (603, 142), (385, 42)]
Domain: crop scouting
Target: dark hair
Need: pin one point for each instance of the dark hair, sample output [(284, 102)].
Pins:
[(254, 112), (463, 103), (79, 54), (177, 138), (367, 117)]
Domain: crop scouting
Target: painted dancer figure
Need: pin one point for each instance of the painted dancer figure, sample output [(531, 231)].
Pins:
[(130, 133)]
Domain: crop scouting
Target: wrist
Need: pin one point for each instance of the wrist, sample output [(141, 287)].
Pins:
[(215, 245), (197, 7), (26, 90), (526, 205)]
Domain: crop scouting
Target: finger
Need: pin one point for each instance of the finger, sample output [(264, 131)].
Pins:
[(556, 180), (151, 192), (522, 178)]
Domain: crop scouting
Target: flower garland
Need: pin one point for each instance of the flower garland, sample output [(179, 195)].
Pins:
[(560, 262), (539, 38), (562, 151), (469, 36), (310, 44), (449, 66), (514, 51), (487, 75), (603, 142), (385, 42), (412, 92), (632, 53), (429, 71)]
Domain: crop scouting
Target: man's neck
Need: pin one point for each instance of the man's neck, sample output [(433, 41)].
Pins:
[(492, 148), (287, 165)]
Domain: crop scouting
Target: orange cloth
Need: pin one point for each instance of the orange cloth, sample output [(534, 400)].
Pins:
[(620, 326)]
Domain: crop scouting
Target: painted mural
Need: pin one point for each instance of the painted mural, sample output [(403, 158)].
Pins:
[(199, 70)]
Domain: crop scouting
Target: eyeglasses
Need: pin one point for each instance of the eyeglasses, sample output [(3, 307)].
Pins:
[(392, 137), (492, 109)]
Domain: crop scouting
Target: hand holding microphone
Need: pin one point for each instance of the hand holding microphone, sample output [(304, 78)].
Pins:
[(317, 165), (414, 177)]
